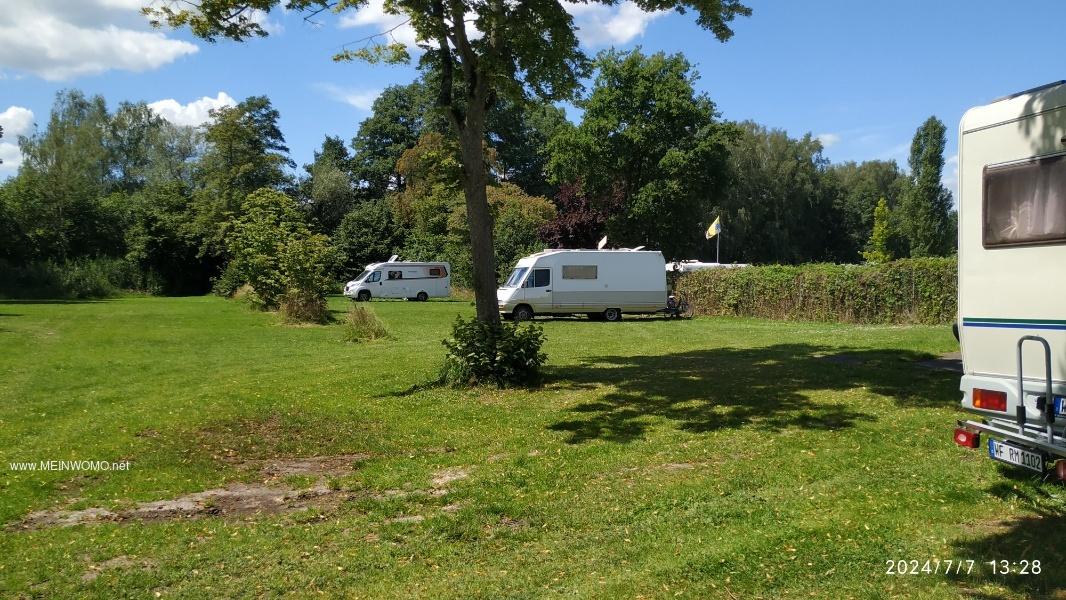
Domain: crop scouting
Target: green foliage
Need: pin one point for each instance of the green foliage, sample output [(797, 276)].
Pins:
[(928, 220), (367, 234), (780, 208), (363, 325), (910, 291), (245, 152), (275, 252), (77, 279), (879, 252), (647, 134), (859, 189), (501, 354)]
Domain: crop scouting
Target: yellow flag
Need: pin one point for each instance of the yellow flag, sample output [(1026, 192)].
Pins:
[(714, 228)]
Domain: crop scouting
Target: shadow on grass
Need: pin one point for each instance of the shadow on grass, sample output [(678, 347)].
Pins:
[(773, 388), (13, 301), (1016, 538)]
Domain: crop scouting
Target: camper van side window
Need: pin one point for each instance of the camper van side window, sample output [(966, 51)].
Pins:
[(541, 278), (395, 274), (437, 272), (580, 271), (1025, 204)]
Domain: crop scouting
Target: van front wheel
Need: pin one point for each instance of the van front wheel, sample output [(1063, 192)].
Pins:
[(612, 314), (523, 313), (363, 296)]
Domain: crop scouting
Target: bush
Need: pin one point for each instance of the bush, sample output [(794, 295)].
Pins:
[(362, 325), (77, 279), (303, 307), (495, 354), (910, 291)]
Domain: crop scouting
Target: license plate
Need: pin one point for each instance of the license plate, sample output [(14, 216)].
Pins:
[(1060, 406), (1013, 455)]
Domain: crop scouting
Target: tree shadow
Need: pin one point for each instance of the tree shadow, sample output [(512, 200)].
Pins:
[(15, 301), (1020, 539), (771, 388)]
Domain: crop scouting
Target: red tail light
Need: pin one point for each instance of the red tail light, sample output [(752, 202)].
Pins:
[(1060, 470), (990, 400), (967, 438)]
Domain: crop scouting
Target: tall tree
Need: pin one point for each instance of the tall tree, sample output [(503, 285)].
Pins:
[(780, 207), (928, 220), (647, 135), (398, 120), (861, 187), (245, 152), (66, 166), (523, 48)]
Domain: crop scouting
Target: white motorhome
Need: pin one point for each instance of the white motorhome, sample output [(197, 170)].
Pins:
[(392, 279), (1012, 261), (602, 284)]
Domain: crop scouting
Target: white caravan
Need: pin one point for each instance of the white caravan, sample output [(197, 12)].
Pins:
[(602, 284), (412, 280), (1012, 277)]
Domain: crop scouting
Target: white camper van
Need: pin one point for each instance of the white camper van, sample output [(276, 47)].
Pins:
[(412, 280), (602, 284), (1012, 278)]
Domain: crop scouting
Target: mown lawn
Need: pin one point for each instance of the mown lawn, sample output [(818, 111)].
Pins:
[(712, 458)]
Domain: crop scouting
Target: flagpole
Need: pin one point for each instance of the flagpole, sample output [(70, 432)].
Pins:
[(718, 248)]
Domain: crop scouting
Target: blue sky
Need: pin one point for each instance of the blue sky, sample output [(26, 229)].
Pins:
[(860, 75)]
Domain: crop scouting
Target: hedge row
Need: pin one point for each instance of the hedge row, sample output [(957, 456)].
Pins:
[(73, 280), (910, 291)]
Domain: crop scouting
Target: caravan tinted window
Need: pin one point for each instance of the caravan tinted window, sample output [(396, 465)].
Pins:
[(1026, 203), (580, 271)]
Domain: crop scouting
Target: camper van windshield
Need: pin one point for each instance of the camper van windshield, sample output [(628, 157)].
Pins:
[(363, 275), (516, 277)]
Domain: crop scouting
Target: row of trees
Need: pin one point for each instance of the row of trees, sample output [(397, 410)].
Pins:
[(651, 163)]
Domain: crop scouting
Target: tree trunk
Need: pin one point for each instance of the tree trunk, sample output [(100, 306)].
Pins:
[(478, 217)]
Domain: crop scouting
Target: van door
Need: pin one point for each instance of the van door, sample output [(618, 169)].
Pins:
[(538, 290)]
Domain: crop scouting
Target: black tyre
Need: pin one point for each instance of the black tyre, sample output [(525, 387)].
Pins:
[(422, 297), (612, 315), (364, 296), (523, 312)]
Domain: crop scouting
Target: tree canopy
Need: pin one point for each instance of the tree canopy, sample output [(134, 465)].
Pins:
[(522, 49)]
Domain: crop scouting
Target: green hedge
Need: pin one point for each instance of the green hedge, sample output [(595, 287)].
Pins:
[(74, 280), (910, 291)]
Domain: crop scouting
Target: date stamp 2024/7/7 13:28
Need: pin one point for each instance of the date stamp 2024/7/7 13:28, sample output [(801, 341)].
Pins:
[(961, 567)]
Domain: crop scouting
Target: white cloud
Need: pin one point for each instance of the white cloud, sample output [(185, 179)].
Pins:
[(16, 121), (373, 15), (62, 39), (828, 139), (601, 25), (194, 113), (361, 99)]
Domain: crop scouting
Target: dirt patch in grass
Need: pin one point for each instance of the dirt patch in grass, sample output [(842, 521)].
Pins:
[(236, 500)]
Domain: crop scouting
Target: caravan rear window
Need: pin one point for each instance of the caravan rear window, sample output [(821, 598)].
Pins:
[(1026, 203)]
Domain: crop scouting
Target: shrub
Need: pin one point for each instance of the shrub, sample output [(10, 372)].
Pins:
[(76, 279), (496, 354), (303, 307), (362, 325), (909, 291)]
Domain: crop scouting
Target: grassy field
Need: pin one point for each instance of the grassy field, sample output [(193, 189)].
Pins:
[(712, 458)]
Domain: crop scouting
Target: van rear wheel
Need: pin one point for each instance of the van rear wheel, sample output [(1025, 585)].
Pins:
[(422, 297), (612, 314), (523, 312)]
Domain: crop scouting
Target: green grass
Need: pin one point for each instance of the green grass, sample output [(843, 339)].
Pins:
[(706, 458)]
